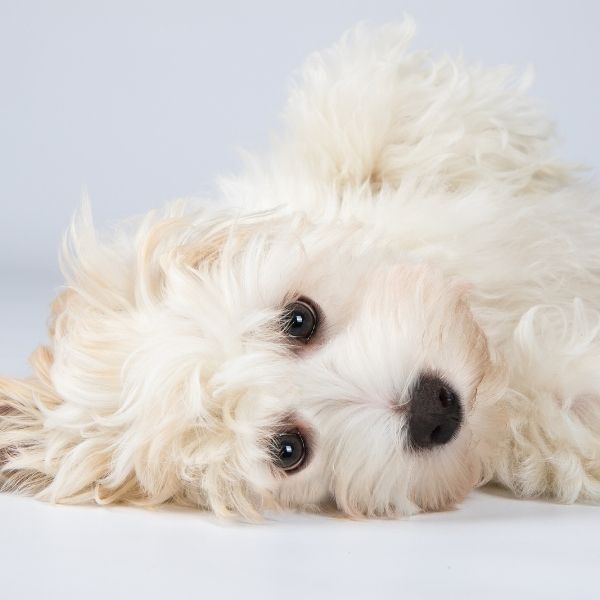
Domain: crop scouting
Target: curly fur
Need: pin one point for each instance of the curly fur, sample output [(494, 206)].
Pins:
[(419, 201)]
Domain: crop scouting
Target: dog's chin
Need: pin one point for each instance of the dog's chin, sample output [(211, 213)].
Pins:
[(448, 481)]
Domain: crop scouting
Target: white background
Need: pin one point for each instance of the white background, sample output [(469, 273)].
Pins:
[(140, 102)]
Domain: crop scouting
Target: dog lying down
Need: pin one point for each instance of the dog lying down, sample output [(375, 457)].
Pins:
[(399, 303)]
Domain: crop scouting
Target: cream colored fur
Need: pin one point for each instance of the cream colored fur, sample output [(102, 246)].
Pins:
[(420, 202)]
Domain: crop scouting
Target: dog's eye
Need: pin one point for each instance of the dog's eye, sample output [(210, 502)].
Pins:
[(300, 320), (289, 450)]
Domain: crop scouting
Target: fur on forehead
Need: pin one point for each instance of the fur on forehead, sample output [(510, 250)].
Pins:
[(222, 248)]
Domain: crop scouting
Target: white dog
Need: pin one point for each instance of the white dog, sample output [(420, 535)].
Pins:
[(400, 303)]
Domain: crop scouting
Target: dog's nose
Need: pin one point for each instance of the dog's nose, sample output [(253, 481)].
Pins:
[(435, 413)]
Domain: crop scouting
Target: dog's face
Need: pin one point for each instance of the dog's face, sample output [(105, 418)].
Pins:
[(283, 362)]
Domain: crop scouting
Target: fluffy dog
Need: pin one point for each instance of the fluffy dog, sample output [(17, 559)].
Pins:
[(399, 303)]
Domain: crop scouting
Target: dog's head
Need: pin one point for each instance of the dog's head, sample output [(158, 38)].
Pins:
[(272, 360)]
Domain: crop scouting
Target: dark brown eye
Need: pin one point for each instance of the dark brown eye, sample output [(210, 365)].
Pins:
[(289, 450), (300, 320)]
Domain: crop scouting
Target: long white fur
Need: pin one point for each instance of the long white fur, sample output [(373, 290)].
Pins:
[(420, 202)]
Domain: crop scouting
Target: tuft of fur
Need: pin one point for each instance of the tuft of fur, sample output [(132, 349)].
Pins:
[(420, 203)]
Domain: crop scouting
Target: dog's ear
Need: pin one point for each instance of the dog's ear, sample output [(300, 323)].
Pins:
[(106, 407)]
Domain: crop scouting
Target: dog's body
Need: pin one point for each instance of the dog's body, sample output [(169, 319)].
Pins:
[(417, 209)]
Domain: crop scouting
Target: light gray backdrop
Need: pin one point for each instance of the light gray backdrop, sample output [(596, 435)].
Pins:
[(140, 102)]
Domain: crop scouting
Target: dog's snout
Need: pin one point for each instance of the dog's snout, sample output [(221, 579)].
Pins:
[(435, 413)]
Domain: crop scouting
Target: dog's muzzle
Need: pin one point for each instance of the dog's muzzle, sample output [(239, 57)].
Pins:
[(435, 413)]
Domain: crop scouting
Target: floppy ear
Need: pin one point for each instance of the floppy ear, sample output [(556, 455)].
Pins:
[(371, 112), (118, 394), (49, 438), (30, 449)]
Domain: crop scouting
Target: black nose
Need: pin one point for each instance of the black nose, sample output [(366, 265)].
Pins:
[(435, 413)]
